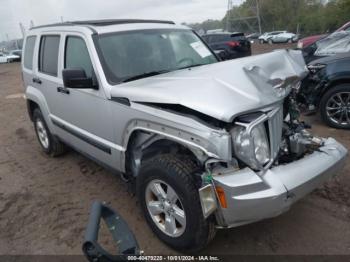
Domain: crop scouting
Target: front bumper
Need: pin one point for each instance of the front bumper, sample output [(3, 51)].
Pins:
[(251, 196)]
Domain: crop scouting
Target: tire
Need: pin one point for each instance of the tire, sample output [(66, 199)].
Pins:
[(261, 41), (335, 104), (171, 173), (50, 145), (290, 41), (270, 41)]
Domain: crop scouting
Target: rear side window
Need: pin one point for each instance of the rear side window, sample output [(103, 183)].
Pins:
[(48, 55), (29, 52), (77, 55)]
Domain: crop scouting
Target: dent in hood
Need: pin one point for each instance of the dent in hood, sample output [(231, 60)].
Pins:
[(222, 90)]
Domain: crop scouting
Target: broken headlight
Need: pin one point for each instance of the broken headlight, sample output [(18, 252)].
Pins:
[(252, 147)]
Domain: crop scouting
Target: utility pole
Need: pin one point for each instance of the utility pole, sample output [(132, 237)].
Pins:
[(251, 23), (258, 15), (228, 15)]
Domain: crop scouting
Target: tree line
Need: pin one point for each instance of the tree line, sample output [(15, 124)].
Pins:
[(305, 17)]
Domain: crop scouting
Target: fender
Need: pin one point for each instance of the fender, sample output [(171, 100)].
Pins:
[(36, 96), (216, 145)]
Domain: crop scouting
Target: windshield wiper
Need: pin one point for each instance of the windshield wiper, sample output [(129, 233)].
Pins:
[(190, 66), (144, 75)]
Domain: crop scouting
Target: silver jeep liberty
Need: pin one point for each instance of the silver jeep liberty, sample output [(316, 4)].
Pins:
[(207, 144)]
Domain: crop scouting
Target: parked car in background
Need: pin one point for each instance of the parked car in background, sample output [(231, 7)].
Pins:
[(253, 36), (17, 53), (264, 38), (234, 45), (3, 58), (307, 41), (8, 58), (284, 37), (327, 89), (336, 43)]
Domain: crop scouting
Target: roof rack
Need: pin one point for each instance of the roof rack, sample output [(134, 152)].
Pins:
[(105, 22)]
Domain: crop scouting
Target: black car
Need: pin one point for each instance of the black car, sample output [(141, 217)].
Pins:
[(327, 88), (338, 42), (234, 45)]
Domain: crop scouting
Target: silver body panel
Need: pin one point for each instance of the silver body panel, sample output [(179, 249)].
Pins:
[(255, 196), (91, 122)]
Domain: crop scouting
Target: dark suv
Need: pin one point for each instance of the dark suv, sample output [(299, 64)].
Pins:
[(234, 45)]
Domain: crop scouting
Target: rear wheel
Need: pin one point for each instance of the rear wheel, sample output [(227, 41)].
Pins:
[(335, 107), (170, 202), (50, 145), (290, 41)]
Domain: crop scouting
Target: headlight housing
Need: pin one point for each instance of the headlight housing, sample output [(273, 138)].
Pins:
[(251, 146)]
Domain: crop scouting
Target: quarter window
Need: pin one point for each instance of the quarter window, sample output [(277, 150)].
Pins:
[(48, 56), (77, 55), (29, 52)]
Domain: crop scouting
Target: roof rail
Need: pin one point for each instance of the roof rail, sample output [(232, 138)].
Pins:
[(105, 22)]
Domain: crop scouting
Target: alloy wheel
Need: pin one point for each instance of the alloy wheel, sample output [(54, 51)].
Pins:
[(338, 108), (42, 133), (165, 208)]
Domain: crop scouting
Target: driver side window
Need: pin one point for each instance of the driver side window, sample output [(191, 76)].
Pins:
[(77, 55)]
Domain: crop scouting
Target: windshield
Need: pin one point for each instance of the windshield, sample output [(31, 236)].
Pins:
[(136, 54), (336, 43)]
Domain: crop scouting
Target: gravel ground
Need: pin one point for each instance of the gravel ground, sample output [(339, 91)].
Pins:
[(44, 202)]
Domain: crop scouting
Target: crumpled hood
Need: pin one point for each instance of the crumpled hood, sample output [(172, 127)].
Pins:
[(222, 90)]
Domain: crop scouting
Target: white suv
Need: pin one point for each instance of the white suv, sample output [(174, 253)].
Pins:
[(207, 145)]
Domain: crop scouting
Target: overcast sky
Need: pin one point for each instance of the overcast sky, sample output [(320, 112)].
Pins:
[(12, 12)]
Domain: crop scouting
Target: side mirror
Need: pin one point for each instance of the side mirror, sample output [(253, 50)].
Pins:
[(76, 78), (221, 54)]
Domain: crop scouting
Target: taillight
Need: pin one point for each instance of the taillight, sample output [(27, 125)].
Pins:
[(233, 44)]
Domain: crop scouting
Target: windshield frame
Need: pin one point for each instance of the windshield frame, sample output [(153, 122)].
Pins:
[(110, 76)]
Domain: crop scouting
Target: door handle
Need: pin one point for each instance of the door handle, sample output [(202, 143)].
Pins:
[(63, 90), (37, 80)]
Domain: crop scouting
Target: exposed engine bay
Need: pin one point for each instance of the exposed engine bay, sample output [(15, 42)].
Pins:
[(297, 141)]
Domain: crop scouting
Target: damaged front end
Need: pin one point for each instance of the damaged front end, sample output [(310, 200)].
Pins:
[(276, 161)]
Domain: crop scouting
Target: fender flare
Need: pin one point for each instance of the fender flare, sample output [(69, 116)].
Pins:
[(33, 94)]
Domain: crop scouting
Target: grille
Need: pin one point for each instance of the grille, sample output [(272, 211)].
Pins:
[(275, 124)]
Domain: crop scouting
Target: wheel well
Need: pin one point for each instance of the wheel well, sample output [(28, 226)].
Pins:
[(142, 146), (331, 85), (31, 106)]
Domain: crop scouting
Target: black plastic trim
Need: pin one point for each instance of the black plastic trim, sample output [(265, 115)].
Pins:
[(106, 22), (121, 100), (86, 139)]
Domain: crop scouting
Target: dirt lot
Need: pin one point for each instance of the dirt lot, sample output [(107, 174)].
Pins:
[(44, 202)]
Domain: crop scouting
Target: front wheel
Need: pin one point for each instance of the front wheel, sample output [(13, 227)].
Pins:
[(170, 202), (335, 107), (270, 41)]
